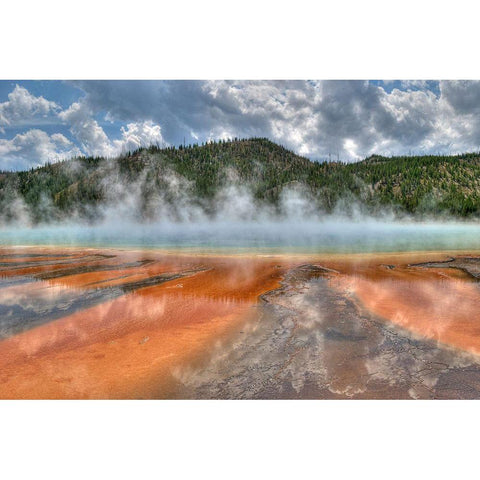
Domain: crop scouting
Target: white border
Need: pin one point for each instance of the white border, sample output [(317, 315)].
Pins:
[(253, 39), (54, 39), (239, 440)]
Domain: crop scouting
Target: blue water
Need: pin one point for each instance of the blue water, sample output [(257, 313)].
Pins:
[(327, 236)]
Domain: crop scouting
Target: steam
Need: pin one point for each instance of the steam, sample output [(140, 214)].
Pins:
[(163, 210)]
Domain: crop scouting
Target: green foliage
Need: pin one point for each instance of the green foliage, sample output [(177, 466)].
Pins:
[(421, 185)]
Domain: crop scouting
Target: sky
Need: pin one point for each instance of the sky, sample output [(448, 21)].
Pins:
[(346, 120)]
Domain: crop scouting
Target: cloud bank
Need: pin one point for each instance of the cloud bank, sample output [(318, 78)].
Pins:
[(345, 120), (23, 106)]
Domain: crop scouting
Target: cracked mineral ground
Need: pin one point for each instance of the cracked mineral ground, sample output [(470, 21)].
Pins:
[(112, 323)]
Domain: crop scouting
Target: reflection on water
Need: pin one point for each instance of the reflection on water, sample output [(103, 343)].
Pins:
[(35, 289), (433, 305), (315, 340), (85, 323), (30, 304), (98, 325)]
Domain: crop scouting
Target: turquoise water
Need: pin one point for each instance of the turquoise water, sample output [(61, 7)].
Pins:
[(328, 236)]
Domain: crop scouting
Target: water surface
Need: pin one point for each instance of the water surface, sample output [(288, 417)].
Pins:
[(313, 237)]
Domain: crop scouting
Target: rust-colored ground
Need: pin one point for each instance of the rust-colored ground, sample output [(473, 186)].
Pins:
[(442, 304), (127, 346)]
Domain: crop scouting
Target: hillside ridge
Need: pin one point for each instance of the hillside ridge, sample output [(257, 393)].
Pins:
[(430, 185)]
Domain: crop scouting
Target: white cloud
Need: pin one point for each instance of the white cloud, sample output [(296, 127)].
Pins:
[(318, 119), (94, 141), (351, 147), (354, 119), (462, 95), (314, 118), (22, 107), (91, 136), (33, 148), (414, 84), (136, 135)]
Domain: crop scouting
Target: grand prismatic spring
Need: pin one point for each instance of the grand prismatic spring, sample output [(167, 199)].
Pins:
[(335, 319)]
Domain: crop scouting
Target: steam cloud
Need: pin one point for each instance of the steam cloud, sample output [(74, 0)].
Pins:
[(135, 214)]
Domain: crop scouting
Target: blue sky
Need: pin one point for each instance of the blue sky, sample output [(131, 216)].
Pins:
[(44, 121)]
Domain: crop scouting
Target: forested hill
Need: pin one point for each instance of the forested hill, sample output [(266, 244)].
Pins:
[(197, 174)]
